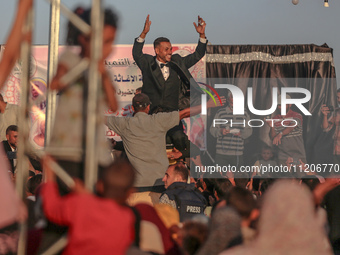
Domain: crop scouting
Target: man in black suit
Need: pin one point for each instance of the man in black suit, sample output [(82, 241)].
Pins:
[(10, 145), (166, 78)]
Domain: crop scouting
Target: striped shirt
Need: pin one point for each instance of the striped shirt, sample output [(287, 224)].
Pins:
[(230, 144)]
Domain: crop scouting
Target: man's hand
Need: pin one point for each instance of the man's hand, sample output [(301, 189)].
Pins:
[(146, 27), (211, 102), (174, 154), (225, 131), (325, 110), (200, 27), (277, 139)]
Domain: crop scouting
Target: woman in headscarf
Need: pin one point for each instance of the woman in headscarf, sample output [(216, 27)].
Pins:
[(288, 224), (224, 232)]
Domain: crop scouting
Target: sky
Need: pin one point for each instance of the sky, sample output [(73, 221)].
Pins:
[(228, 22)]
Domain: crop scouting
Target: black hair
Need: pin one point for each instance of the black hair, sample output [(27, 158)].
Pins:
[(241, 200), (11, 128), (222, 187), (311, 181), (118, 179), (110, 19), (241, 179), (33, 183), (159, 40)]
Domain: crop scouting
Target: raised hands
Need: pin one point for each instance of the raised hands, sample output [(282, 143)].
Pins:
[(200, 27), (146, 27)]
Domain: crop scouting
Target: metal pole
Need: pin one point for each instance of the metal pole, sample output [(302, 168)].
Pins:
[(22, 167), (52, 67), (91, 159)]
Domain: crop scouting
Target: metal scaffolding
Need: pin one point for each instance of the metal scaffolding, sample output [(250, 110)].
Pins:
[(90, 122)]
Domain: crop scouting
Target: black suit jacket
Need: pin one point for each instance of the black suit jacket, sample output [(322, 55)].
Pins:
[(154, 83), (7, 149)]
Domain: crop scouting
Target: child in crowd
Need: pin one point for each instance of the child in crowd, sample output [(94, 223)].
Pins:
[(69, 129), (265, 162), (97, 225)]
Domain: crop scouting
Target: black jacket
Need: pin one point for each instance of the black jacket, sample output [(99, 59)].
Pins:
[(170, 96)]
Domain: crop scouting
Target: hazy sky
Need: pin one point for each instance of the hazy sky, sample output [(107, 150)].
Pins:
[(228, 22)]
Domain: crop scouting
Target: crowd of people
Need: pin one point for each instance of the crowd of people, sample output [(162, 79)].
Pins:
[(145, 201)]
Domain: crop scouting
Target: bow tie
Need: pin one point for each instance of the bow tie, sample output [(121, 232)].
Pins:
[(162, 65)]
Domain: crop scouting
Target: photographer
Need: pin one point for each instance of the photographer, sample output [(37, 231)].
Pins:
[(328, 124)]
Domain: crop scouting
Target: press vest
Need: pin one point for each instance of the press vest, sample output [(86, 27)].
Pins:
[(188, 201)]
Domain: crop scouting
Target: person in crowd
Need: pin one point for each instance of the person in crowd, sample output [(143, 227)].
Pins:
[(10, 146), (208, 188), (230, 138), (288, 138), (166, 78), (144, 141), (332, 206), (266, 159), (243, 202), (329, 122), (8, 116), (242, 180), (154, 235), (12, 208), (224, 232), (288, 224), (68, 131), (98, 225), (192, 236), (221, 189), (181, 195)]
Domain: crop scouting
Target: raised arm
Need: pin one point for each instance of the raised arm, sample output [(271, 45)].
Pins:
[(108, 87), (199, 53), (16, 36), (137, 50), (146, 28), (200, 27)]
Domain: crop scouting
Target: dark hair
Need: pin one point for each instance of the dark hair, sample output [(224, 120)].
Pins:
[(194, 235), (11, 128), (182, 171), (256, 183), (118, 178), (159, 40), (241, 200), (241, 179), (222, 187), (338, 90), (33, 183), (266, 147), (1, 98), (265, 184), (110, 19), (311, 181), (140, 102), (210, 185)]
